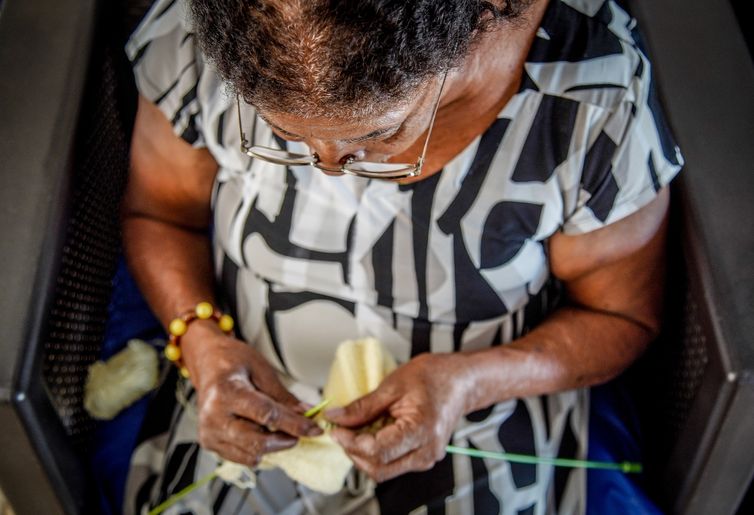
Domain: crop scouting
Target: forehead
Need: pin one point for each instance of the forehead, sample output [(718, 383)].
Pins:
[(340, 124), (334, 127)]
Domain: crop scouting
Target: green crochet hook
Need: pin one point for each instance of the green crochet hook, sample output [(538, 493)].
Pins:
[(627, 467)]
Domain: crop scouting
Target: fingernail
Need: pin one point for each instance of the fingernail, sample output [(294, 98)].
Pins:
[(334, 412), (280, 444)]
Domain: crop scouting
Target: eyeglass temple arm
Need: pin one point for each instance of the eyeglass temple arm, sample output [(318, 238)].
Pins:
[(244, 142), (432, 120)]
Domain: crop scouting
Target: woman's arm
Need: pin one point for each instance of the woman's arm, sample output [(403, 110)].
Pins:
[(166, 215), (614, 281)]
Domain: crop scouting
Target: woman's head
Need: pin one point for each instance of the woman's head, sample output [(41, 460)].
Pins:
[(314, 57)]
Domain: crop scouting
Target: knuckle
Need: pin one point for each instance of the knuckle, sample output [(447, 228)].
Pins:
[(270, 416), (367, 447), (438, 438), (355, 407), (255, 447), (425, 462), (438, 452)]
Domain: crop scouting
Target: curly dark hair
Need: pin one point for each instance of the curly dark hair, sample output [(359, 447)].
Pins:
[(312, 56)]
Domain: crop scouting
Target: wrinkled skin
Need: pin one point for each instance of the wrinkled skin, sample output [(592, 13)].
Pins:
[(426, 407), (244, 411)]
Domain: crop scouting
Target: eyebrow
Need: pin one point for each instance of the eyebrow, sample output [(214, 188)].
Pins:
[(374, 134)]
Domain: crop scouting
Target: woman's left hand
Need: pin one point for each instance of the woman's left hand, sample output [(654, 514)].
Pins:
[(426, 397)]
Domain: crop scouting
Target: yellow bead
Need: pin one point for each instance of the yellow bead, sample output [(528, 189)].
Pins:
[(177, 327), (173, 352), (204, 310), (225, 323), (184, 372)]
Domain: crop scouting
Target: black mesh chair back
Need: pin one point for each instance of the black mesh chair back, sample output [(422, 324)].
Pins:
[(68, 109)]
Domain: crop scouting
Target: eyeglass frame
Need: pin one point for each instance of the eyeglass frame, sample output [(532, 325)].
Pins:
[(313, 159)]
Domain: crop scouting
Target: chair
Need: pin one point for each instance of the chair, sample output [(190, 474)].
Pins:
[(68, 104), (67, 110), (698, 380)]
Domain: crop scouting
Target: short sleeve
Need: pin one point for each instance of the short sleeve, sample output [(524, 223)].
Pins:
[(168, 67), (632, 156)]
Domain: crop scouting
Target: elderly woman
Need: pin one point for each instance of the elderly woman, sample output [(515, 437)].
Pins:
[(478, 184)]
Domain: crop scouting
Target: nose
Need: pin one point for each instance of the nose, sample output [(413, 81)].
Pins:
[(332, 155)]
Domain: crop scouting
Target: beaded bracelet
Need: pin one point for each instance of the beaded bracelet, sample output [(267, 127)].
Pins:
[(178, 327)]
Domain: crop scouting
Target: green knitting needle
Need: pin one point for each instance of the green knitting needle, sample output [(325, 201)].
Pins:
[(311, 412), (627, 467)]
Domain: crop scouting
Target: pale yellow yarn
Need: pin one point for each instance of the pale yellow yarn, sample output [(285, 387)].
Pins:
[(123, 379), (319, 463)]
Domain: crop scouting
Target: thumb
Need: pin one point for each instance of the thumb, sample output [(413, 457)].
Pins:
[(363, 410)]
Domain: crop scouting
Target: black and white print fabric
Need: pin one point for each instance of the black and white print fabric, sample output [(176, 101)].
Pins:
[(454, 262)]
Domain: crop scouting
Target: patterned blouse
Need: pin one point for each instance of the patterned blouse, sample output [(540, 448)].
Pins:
[(454, 262)]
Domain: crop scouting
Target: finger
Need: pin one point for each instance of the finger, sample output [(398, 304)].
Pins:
[(387, 445), (363, 410), (302, 407), (260, 408), (249, 436), (396, 440), (237, 454), (417, 461)]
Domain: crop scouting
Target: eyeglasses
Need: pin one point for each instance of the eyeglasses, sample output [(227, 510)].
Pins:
[(367, 169)]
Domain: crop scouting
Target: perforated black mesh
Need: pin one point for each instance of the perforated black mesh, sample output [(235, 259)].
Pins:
[(688, 367), (77, 320), (667, 380)]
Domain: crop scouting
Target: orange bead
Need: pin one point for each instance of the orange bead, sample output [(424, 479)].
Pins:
[(173, 352), (177, 327), (204, 310), (226, 323), (184, 372)]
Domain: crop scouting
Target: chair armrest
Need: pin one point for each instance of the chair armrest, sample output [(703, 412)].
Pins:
[(706, 78)]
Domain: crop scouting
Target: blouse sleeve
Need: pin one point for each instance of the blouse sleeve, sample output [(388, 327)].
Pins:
[(631, 157), (168, 67)]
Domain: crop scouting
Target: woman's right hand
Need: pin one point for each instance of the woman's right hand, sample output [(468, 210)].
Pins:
[(244, 410)]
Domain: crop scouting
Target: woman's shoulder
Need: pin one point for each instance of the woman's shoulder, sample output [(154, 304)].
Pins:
[(588, 51), (169, 68), (165, 18)]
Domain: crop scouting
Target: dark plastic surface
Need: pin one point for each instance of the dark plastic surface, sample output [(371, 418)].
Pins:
[(63, 156), (41, 44), (706, 77)]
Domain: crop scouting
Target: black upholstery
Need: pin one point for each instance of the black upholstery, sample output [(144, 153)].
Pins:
[(60, 202), (59, 197), (698, 380)]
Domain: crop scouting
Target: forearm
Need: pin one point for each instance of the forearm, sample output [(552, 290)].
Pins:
[(573, 348), (614, 281), (171, 265)]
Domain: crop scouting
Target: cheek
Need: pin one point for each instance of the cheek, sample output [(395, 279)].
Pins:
[(381, 152)]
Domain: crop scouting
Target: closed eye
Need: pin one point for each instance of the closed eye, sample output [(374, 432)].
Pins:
[(384, 134), (285, 134)]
